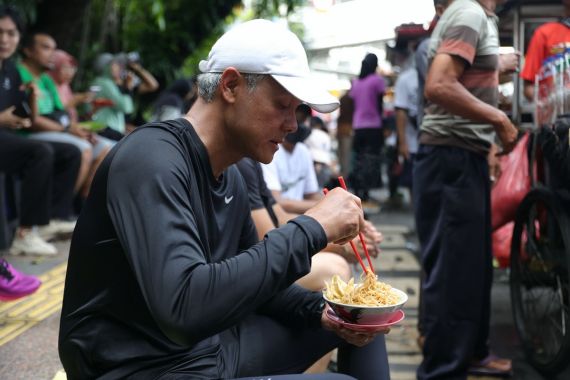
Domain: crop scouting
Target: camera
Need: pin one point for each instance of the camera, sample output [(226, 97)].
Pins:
[(133, 57)]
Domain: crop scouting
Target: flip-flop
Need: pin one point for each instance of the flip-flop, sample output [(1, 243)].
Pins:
[(492, 365)]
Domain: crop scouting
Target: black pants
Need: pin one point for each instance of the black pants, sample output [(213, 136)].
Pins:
[(367, 166), (261, 348), (453, 220), (47, 171)]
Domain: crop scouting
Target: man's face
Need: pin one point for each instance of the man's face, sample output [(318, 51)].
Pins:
[(262, 119), (42, 50), (9, 38)]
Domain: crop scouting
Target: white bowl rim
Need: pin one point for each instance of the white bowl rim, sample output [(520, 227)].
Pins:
[(403, 300)]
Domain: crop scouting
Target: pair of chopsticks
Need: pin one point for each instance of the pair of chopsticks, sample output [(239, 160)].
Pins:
[(360, 235)]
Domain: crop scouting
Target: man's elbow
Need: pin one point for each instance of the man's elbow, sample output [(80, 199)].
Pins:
[(436, 92)]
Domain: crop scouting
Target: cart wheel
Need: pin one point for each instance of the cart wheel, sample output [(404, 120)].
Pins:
[(540, 267)]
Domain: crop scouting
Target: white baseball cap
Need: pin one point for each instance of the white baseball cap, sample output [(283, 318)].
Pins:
[(263, 47)]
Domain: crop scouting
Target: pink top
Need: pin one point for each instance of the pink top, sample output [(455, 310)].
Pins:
[(365, 93)]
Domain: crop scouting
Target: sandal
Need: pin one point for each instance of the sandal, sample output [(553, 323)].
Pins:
[(492, 365)]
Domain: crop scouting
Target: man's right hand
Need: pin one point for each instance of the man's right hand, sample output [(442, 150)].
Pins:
[(8, 119), (340, 214), (506, 132)]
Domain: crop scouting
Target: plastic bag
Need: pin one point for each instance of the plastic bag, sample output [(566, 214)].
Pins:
[(512, 185), (502, 244)]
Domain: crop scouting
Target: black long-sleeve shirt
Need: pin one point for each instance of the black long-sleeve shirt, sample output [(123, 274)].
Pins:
[(164, 259)]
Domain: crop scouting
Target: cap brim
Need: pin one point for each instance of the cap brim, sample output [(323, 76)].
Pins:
[(309, 91)]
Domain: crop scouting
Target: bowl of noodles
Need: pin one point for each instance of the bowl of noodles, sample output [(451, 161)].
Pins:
[(371, 302)]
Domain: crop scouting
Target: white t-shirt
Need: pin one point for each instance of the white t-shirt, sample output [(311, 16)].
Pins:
[(319, 144), (291, 173), (406, 97)]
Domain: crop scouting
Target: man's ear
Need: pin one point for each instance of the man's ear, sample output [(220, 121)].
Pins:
[(229, 83)]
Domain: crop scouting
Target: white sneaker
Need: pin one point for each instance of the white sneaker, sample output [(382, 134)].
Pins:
[(32, 244), (56, 228)]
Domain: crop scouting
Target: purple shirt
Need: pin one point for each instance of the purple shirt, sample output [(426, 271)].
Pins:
[(365, 94)]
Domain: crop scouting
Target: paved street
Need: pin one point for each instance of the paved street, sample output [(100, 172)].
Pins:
[(28, 328)]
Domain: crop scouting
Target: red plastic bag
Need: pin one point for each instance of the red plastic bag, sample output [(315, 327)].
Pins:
[(502, 244), (502, 241), (512, 185)]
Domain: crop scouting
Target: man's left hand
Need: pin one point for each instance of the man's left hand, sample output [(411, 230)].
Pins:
[(356, 338)]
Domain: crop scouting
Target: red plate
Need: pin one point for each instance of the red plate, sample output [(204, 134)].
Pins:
[(398, 317)]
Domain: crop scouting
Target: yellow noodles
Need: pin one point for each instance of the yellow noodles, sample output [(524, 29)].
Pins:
[(370, 293)]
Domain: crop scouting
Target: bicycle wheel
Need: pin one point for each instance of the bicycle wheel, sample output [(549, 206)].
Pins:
[(540, 267)]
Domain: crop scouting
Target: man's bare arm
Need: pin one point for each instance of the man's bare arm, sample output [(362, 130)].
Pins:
[(443, 88)]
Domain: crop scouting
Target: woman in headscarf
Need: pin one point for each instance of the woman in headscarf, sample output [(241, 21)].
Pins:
[(367, 92), (63, 71)]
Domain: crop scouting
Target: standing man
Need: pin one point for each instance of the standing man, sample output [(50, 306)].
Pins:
[(166, 277), (452, 190), (406, 104)]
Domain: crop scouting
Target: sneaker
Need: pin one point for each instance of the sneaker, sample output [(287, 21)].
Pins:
[(13, 284), (56, 228), (32, 244)]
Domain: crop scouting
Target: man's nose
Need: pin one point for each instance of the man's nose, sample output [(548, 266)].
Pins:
[(291, 124)]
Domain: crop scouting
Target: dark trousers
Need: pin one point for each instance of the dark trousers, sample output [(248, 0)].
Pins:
[(452, 208), (261, 348), (367, 166), (47, 173)]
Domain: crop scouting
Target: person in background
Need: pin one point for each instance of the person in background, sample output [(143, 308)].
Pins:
[(451, 192), (421, 57), (166, 277), (320, 145), (28, 159), (291, 176), (406, 103), (367, 91), (175, 101), (344, 133), (63, 70), (267, 215), (47, 170), (547, 40), (53, 123)]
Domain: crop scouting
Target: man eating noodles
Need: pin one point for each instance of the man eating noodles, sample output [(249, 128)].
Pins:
[(166, 278)]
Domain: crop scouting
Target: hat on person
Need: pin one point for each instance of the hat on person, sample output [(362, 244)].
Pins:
[(263, 47)]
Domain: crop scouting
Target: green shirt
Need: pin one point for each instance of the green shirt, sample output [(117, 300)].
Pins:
[(48, 98), (114, 116)]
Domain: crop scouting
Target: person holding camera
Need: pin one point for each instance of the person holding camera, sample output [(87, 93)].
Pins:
[(120, 77), (46, 171)]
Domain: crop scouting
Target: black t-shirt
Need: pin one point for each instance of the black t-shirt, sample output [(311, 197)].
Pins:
[(259, 195), (10, 82), (164, 258)]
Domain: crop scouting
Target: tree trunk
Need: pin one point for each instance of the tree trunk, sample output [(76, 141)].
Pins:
[(62, 19)]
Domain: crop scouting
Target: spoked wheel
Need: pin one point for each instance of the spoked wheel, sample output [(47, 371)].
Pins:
[(540, 274)]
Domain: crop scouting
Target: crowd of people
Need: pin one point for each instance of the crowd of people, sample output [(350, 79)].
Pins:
[(205, 239), (53, 139)]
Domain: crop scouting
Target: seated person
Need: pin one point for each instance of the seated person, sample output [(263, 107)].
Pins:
[(47, 171), (175, 101), (291, 176), (62, 72), (53, 123), (320, 145), (166, 277)]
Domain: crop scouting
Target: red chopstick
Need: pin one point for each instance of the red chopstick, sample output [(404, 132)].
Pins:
[(360, 235), (325, 191)]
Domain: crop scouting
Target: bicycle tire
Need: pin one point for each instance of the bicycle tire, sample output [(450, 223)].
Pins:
[(540, 273)]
